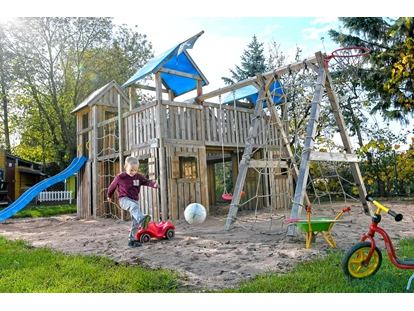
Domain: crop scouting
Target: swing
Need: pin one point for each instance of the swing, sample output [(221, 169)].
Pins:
[(226, 196)]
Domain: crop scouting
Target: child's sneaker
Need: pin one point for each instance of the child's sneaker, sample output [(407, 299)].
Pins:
[(144, 221), (134, 243)]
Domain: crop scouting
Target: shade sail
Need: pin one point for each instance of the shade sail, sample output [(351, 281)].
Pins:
[(252, 93), (183, 63)]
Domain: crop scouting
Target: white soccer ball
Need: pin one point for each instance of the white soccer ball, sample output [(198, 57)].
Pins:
[(195, 213)]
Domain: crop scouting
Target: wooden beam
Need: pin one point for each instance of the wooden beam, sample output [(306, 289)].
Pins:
[(333, 157), (147, 87), (267, 75), (267, 163), (180, 73)]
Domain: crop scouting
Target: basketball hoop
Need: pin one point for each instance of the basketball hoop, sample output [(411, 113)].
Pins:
[(348, 58), (347, 61)]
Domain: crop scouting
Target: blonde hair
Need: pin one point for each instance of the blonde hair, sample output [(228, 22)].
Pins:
[(131, 161)]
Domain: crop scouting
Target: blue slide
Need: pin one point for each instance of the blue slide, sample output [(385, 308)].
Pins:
[(30, 194)]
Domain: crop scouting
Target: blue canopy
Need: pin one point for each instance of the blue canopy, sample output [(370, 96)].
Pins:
[(169, 60), (252, 93)]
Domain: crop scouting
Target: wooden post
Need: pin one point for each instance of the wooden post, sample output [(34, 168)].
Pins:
[(121, 142), (94, 152), (131, 97), (121, 135), (161, 154), (204, 184)]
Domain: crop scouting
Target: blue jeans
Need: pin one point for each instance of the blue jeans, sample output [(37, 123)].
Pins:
[(136, 215)]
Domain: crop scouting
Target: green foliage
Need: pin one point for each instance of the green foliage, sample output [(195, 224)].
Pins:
[(382, 85), (58, 62), (380, 162), (388, 78), (404, 171)]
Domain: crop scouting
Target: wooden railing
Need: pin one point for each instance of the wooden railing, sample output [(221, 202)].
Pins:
[(210, 124)]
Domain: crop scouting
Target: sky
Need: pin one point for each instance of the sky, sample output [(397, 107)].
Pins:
[(224, 40)]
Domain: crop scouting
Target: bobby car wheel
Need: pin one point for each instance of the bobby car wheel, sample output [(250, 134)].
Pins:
[(169, 234), (145, 238), (353, 261)]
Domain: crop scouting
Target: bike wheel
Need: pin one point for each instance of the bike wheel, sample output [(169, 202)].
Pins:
[(353, 261)]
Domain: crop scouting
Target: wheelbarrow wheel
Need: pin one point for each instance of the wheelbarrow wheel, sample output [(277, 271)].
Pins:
[(353, 261)]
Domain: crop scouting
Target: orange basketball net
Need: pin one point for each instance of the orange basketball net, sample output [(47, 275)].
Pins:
[(352, 56)]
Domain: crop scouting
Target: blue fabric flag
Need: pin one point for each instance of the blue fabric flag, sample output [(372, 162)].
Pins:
[(188, 44)]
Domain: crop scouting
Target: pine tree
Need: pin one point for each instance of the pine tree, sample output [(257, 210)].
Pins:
[(253, 61)]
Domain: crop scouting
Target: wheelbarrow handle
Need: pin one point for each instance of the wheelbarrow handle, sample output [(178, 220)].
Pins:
[(293, 220), (347, 209)]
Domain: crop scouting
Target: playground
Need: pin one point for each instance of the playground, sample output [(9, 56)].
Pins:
[(207, 254), (279, 167)]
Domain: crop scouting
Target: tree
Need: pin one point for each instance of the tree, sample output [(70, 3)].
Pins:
[(59, 62), (383, 85), (253, 61), (6, 80), (389, 77)]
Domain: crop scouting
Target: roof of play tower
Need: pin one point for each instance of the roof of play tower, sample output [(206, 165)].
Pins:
[(174, 60)]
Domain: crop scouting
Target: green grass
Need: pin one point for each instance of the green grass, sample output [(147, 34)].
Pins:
[(24, 269), (325, 275), (27, 270), (45, 211)]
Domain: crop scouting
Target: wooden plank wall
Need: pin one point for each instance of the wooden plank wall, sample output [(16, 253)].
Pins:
[(139, 126), (186, 187)]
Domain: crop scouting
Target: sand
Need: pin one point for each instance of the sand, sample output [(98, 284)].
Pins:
[(209, 255)]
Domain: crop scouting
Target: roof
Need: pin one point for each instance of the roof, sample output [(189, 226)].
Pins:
[(252, 93), (30, 171), (174, 59), (96, 95)]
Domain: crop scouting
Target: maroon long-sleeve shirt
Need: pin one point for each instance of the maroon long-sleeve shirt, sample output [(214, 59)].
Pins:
[(129, 186)]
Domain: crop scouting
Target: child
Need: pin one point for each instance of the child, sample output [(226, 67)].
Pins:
[(129, 184)]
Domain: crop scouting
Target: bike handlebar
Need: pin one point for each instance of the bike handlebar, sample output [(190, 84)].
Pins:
[(397, 217)]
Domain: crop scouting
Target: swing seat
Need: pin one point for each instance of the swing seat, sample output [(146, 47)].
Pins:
[(229, 197)]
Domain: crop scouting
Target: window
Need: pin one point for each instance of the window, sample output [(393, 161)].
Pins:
[(188, 167)]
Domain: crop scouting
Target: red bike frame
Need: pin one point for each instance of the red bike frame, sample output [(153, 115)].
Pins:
[(374, 228)]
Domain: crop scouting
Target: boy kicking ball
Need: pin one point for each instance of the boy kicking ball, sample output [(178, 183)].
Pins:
[(129, 185)]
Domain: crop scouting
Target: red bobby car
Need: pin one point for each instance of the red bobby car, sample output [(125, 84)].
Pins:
[(164, 229)]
